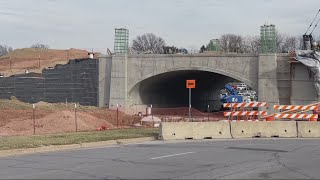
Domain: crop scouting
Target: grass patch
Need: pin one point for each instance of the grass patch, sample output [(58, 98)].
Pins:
[(18, 142)]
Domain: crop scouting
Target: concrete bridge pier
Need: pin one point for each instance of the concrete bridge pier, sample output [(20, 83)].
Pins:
[(267, 81)]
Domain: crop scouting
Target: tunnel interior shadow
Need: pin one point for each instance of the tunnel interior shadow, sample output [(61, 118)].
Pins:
[(168, 90)]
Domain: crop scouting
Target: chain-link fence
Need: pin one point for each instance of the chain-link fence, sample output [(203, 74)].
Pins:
[(20, 118), (182, 114), (46, 118)]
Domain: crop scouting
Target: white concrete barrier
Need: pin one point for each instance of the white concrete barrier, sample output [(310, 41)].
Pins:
[(175, 130), (308, 129), (263, 129), (194, 130), (211, 130)]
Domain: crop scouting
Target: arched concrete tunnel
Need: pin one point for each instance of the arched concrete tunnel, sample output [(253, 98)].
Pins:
[(169, 90)]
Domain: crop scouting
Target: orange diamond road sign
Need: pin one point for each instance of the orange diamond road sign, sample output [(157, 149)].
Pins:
[(191, 83)]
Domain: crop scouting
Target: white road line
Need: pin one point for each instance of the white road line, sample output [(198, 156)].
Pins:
[(172, 155)]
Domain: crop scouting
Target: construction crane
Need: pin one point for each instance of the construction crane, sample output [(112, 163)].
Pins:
[(308, 41)]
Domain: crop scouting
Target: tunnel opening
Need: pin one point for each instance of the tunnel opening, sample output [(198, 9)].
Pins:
[(168, 90)]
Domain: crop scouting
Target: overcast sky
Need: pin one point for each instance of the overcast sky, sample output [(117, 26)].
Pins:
[(89, 24)]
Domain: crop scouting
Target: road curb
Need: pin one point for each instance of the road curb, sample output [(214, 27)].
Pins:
[(52, 148)]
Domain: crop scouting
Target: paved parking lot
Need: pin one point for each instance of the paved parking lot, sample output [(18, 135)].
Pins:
[(228, 159)]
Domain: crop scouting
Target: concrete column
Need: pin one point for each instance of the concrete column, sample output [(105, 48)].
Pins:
[(267, 81), (105, 64), (303, 89), (118, 82)]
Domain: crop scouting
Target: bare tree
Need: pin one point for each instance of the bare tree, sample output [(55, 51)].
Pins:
[(299, 42), (232, 43), (252, 44), (148, 43), (193, 51), (4, 49), (290, 43), (286, 43), (170, 50), (40, 46), (280, 40)]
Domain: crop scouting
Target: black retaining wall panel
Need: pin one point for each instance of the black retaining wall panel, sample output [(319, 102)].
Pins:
[(75, 82)]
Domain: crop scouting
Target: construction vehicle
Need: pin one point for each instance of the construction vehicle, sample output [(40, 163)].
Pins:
[(232, 96), (308, 41)]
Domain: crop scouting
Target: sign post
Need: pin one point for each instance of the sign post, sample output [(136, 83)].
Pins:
[(190, 84)]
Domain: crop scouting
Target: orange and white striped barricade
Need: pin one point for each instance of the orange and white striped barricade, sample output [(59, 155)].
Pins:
[(245, 105), (310, 117), (297, 115), (244, 120), (294, 107), (242, 106), (245, 113)]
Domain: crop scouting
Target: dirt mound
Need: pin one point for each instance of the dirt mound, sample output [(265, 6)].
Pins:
[(7, 116), (16, 118), (21, 122), (29, 58), (111, 115)]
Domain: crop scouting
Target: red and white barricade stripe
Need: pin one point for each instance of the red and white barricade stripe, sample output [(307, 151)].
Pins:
[(296, 116), (240, 105), (245, 113), (252, 120), (294, 107)]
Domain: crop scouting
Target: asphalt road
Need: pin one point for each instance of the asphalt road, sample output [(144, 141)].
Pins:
[(227, 159)]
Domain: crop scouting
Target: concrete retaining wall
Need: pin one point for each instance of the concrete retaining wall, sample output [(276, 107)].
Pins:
[(308, 129), (76, 81)]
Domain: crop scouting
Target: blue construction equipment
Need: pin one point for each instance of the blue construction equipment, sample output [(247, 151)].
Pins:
[(232, 96)]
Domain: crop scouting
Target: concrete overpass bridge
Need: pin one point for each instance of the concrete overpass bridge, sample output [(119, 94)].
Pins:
[(136, 81)]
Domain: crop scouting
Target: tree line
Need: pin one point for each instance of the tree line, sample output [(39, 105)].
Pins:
[(5, 49), (230, 43), (149, 43), (252, 44)]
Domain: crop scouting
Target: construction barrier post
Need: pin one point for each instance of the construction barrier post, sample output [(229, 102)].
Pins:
[(117, 116), (34, 118), (75, 116), (208, 112)]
